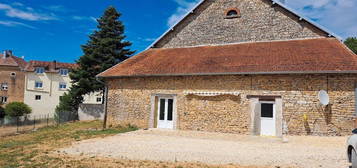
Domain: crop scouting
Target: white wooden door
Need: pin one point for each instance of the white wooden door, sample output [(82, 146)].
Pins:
[(165, 117), (267, 119)]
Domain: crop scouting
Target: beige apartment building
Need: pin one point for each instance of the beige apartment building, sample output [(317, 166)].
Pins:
[(46, 82)]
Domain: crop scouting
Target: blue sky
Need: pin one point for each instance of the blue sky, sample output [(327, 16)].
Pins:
[(54, 30)]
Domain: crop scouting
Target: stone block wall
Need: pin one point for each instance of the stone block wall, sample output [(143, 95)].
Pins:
[(130, 102), (260, 21)]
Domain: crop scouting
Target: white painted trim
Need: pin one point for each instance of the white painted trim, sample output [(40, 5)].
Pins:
[(208, 94), (152, 114), (274, 119), (157, 111)]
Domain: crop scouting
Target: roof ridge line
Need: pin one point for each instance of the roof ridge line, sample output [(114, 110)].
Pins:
[(50, 62)]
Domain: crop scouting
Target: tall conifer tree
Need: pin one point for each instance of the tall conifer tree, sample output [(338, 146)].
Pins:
[(105, 48)]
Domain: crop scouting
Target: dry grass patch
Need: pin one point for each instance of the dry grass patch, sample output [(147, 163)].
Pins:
[(36, 149)]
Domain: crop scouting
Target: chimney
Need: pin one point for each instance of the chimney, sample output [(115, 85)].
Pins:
[(7, 53), (55, 64)]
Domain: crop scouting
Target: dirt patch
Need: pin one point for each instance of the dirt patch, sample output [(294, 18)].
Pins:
[(37, 149), (216, 148), (99, 162)]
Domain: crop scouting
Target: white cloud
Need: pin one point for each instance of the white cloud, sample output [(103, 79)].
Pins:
[(56, 8), (17, 4), (184, 6), (15, 24), (337, 15), (85, 18), (25, 14), (146, 39), (149, 39), (94, 19)]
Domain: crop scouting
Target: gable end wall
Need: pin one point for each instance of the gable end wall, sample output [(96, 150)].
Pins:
[(259, 21)]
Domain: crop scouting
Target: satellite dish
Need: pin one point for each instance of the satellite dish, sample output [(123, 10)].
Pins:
[(324, 98)]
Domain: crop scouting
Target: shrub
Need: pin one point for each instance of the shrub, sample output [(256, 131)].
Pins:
[(64, 110), (2, 112), (17, 109)]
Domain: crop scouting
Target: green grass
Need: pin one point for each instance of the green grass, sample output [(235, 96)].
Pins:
[(30, 150)]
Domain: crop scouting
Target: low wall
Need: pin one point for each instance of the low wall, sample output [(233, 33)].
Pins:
[(91, 112)]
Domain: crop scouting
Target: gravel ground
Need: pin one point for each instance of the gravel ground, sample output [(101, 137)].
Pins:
[(218, 148)]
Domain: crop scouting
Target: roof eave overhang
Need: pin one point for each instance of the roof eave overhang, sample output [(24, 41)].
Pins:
[(235, 73)]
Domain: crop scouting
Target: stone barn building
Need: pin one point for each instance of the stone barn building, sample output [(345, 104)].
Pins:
[(238, 66)]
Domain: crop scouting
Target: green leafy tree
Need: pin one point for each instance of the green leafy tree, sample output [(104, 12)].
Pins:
[(17, 109), (351, 43), (106, 47)]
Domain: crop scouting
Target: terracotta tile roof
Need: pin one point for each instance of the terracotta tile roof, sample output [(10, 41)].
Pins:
[(12, 61), (323, 55), (49, 66)]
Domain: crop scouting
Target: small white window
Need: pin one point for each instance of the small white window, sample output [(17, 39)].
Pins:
[(4, 86), (63, 72), (38, 84), (3, 100), (38, 97), (99, 99), (62, 86), (40, 70)]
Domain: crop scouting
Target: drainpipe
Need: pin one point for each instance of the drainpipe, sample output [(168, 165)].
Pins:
[(105, 99)]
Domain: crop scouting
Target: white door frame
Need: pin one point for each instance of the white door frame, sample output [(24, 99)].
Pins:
[(166, 123), (264, 121)]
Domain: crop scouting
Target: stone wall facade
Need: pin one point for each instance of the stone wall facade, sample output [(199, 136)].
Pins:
[(260, 21), (16, 84), (130, 102)]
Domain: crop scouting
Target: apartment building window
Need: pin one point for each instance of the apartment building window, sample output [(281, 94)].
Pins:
[(63, 72), (4, 86), (38, 85), (3, 99), (40, 70), (62, 86), (99, 99), (38, 97)]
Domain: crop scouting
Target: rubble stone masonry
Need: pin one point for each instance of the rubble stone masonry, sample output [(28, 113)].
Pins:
[(130, 102), (260, 21)]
